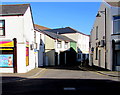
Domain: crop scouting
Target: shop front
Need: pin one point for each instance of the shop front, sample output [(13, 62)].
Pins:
[(8, 56), (116, 55)]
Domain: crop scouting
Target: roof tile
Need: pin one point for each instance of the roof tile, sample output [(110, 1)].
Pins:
[(16, 9)]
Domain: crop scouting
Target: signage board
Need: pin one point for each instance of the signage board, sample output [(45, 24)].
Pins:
[(6, 60), (7, 43), (27, 53)]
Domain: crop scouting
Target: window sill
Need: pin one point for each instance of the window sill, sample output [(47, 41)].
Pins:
[(2, 36), (116, 34)]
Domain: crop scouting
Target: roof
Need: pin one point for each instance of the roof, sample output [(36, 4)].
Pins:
[(114, 3), (40, 27), (62, 30), (55, 36), (16, 9), (58, 36), (65, 30)]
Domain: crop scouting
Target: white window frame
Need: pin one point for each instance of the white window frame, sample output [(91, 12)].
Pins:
[(59, 44), (2, 28)]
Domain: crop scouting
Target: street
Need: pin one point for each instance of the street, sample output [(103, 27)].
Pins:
[(62, 81)]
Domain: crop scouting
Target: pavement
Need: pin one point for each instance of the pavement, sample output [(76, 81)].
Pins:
[(101, 71), (11, 77)]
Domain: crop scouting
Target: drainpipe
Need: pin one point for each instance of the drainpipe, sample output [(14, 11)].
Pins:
[(15, 55), (105, 40)]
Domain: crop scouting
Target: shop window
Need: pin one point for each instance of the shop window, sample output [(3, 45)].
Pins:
[(2, 27), (117, 58), (6, 58)]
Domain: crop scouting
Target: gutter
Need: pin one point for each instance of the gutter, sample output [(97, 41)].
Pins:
[(12, 14)]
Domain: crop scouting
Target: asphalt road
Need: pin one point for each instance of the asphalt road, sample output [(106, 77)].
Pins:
[(63, 81)]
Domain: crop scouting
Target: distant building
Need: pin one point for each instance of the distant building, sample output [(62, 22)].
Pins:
[(105, 37), (41, 27), (39, 47), (16, 39), (56, 47), (82, 45)]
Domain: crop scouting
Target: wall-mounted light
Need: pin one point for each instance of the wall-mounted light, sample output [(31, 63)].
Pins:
[(99, 15)]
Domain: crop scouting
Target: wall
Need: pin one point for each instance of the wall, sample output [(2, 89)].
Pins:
[(50, 50), (29, 36), (21, 27), (14, 28), (51, 57), (101, 33), (21, 58), (41, 50), (81, 39), (83, 43), (100, 22), (73, 45), (62, 46)]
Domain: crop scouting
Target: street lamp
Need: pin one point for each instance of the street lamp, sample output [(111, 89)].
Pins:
[(99, 15)]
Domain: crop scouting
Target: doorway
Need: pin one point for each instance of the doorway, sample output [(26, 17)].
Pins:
[(99, 64), (117, 58)]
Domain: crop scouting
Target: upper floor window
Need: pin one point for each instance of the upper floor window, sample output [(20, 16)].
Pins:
[(59, 44), (2, 27), (116, 25), (66, 44), (96, 32)]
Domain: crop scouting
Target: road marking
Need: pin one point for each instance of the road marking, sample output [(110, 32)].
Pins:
[(36, 74), (33, 76), (69, 88), (19, 79)]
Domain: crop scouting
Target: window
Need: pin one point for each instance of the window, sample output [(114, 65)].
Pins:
[(41, 41), (116, 25), (2, 27), (59, 45), (96, 32), (66, 44)]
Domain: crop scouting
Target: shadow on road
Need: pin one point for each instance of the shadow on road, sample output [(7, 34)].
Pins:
[(65, 67), (52, 86)]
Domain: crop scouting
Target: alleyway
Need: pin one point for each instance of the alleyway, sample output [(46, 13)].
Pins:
[(61, 81)]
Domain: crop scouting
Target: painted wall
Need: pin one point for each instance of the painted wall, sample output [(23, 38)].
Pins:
[(73, 45), (100, 22), (21, 27), (82, 44), (29, 36), (41, 50), (51, 57), (50, 50), (62, 46)]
